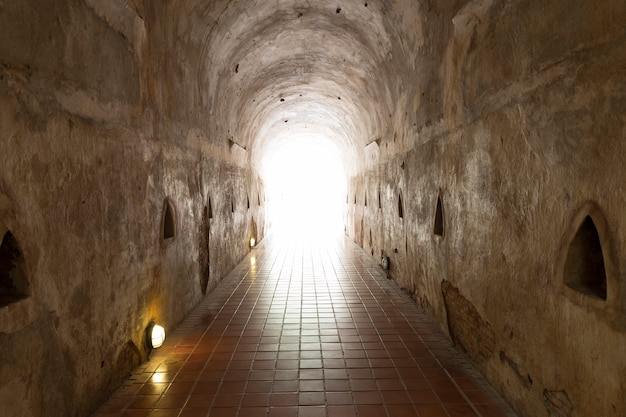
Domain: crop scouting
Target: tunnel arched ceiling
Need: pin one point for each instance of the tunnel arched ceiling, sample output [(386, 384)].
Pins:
[(271, 71)]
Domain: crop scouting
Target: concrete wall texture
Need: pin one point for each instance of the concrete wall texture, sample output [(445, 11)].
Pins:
[(483, 141)]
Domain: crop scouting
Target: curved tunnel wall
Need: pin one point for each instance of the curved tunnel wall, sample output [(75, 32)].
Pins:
[(108, 109)]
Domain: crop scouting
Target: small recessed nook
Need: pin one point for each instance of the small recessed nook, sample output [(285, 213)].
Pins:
[(380, 204), (585, 270), (400, 206), (14, 284), (439, 226), (209, 209), (168, 221)]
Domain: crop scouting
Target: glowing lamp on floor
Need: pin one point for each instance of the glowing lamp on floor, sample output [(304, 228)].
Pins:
[(252, 242), (384, 263), (155, 335)]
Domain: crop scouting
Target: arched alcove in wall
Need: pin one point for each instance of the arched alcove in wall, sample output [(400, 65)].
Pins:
[(204, 252), (585, 269), (439, 226), (168, 221), (14, 285)]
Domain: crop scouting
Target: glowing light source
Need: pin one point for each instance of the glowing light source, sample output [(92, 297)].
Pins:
[(306, 185), (252, 242), (384, 263), (155, 335)]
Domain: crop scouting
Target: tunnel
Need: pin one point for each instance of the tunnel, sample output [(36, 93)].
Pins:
[(467, 155)]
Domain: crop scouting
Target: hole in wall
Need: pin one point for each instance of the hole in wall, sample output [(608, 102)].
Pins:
[(169, 222), (400, 206), (380, 204), (248, 201), (14, 285), (584, 266), (365, 200), (438, 228), (204, 250), (232, 204), (210, 209), (338, 10)]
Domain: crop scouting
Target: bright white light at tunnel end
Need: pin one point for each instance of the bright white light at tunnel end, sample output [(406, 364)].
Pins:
[(306, 185)]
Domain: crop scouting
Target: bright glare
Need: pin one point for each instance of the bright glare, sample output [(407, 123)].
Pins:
[(158, 336), (306, 185)]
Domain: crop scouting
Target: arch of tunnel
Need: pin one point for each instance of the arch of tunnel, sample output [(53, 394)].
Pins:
[(481, 143)]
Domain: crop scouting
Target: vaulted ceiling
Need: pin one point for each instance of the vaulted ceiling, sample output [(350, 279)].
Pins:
[(260, 73)]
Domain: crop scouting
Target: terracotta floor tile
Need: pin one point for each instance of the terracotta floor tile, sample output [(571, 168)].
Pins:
[(431, 410), (363, 384), (256, 400), (460, 410), (283, 412), (341, 411), (136, 413), (367, 397), (172, 401), (371, 410), (232, 387), (164, 412), (227, 400), (194, 412), (307, 332), (311, 411), (144, 401), (311, 398), (312, 385), (401, 410), (253, 412), (283, 399), (199, 401), (339, 398), (223, 412)]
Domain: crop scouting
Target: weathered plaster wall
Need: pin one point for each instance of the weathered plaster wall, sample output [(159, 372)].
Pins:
[(512, 112), (88, 159), (531, 140)]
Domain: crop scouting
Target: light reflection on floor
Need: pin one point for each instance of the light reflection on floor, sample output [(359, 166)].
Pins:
[(304, 328)]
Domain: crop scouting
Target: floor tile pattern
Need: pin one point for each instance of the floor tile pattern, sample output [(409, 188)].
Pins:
[(306, 330)]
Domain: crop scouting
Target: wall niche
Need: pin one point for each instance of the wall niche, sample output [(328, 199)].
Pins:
[(168, 221), (439, 226), (14, 284), (585, 269)]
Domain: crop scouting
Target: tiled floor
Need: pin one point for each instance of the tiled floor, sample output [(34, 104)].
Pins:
[(311, 331)]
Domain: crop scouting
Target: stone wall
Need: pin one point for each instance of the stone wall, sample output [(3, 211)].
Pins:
[(527, 272), (89, 161)]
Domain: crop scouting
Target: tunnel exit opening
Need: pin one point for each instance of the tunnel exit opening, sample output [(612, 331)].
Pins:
[(306, 182)]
